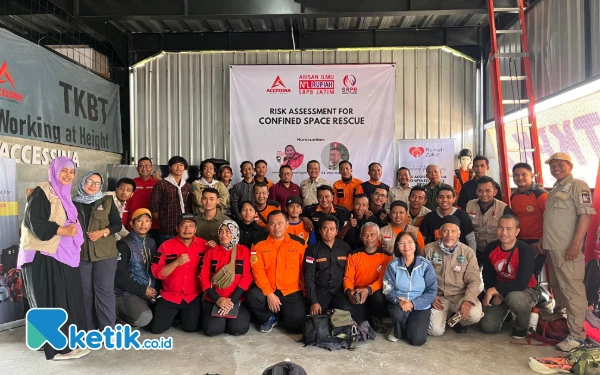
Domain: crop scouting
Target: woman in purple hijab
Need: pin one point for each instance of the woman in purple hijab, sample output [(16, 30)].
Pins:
[(51, 239)]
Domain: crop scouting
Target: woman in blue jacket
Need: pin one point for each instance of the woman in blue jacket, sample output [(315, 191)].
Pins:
[(410, 285)]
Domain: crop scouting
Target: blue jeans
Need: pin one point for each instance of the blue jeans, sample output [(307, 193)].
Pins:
[(416, 321)]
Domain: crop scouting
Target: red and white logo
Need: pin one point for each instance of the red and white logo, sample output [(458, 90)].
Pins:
[(278, 87), (416, 151), (349, 85), (5, 77)]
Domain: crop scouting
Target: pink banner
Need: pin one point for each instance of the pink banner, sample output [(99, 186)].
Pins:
[(592, 247)]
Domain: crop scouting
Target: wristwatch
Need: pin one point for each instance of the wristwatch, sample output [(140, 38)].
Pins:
[(104, 234)]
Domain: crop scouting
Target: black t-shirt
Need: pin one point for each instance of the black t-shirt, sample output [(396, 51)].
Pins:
[(432, 222), (369, 188), (314, 213)]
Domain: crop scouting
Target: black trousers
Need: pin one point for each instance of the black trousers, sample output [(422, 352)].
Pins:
[(327, 299), (375, 305), (165, 311), (292, 313), (50, 283), (416, 322), (214, 326)]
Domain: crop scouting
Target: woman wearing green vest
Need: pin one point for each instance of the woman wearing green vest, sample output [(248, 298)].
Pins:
[(100, 220)]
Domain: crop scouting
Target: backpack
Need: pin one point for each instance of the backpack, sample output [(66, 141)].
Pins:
[(316, 329), (285, 368), (585, 361), (551, 332), (319, 331)]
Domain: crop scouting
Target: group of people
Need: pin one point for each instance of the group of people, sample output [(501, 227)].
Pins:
[(211, 255)]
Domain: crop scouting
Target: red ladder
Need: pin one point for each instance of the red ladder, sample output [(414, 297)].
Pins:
[(520, 97)]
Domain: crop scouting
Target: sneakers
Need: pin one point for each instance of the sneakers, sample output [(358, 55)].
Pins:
[(391, 336), (269, 324), (459, 328), (74, 354), (518, 334), (570, 343), (378, 325)]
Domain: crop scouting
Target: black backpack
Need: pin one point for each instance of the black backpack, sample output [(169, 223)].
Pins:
[(285, 368), (316, 329)]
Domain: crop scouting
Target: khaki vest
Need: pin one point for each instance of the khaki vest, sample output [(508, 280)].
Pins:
[(485, 225), (388, 231), (104, 247), (57, 215)]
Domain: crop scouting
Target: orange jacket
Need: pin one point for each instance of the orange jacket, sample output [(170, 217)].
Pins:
[(366, 270), (343, 193), (278, 266)]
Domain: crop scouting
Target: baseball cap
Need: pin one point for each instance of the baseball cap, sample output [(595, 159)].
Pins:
[(451, 219), (141, 211), (293, 199), (559, 156), (225, 166), (186, 216)]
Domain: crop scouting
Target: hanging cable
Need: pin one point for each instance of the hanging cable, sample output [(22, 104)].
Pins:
[(292, 30)]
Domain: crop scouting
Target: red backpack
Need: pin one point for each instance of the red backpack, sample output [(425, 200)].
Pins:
[(551, 332)]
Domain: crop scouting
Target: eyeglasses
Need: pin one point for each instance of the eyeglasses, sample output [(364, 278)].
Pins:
[(145, 166), (377, 195), (93, 183)]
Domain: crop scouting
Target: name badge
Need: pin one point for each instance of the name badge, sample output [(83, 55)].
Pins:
[(436, 258)]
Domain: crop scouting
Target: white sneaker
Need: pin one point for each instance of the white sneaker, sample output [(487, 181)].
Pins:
[(570, 343), (391, 336), (77, 353)]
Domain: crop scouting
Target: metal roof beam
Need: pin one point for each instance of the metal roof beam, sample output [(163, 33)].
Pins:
[(252, 9)]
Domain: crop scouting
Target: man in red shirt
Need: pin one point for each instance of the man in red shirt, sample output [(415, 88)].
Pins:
[(177, 263), (508, 280), (528, 204), (285, 188), (143, 191)]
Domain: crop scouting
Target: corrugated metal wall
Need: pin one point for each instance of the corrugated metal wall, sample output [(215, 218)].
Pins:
[(595, 36), (180, 102), (555, 29)]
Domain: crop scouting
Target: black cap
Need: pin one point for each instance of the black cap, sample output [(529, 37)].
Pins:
[(451, 219), (293, 199), (186, 216)]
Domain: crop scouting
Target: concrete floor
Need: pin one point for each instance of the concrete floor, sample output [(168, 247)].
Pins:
[(452, 354)]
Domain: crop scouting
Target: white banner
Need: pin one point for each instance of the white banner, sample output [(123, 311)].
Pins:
[(417, 154), (291, 114)]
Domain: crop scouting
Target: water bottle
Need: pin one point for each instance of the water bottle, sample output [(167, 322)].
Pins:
[(533, 319)]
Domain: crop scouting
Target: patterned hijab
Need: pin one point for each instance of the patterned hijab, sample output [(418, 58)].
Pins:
[(82, 196), (235, 233)]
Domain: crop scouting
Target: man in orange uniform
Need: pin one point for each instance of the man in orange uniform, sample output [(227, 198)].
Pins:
[(345, 189), (264, 206), (528, 204), (277, 269), (363, 280)]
